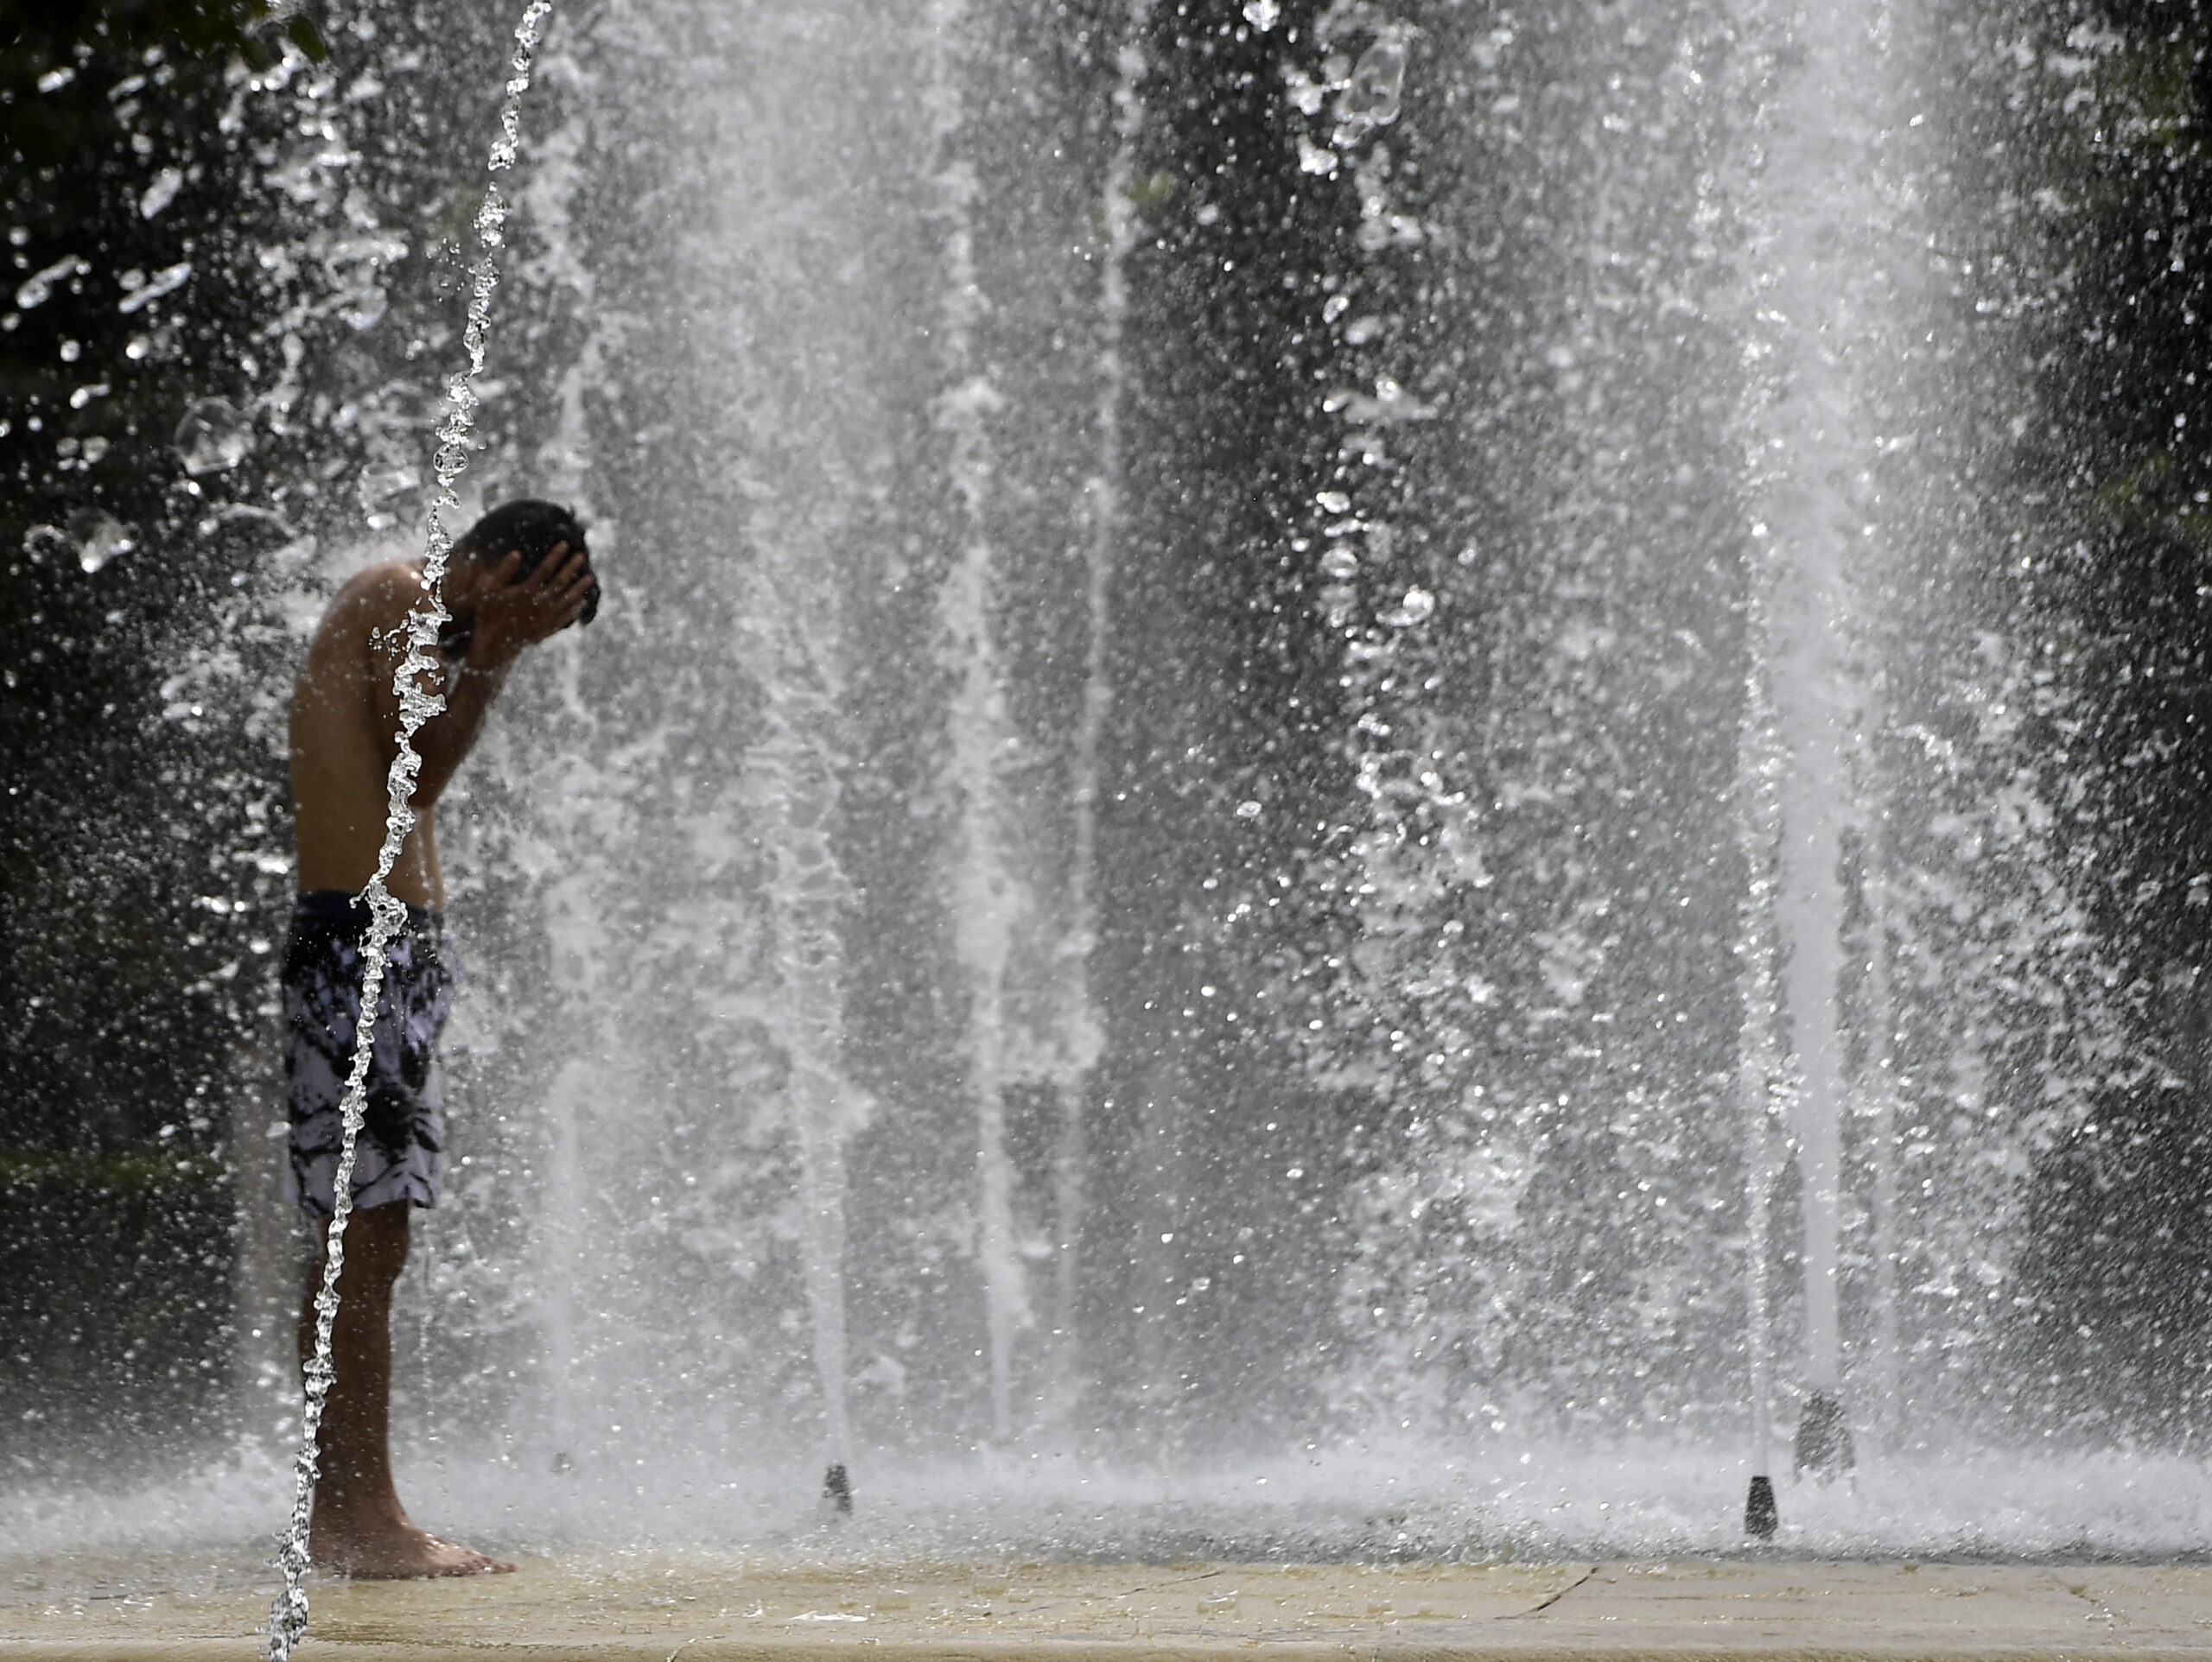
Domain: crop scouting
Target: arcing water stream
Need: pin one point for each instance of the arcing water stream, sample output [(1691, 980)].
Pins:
[(417, 684)]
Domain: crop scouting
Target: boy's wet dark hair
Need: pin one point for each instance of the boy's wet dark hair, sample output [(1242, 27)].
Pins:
[(534, 529)]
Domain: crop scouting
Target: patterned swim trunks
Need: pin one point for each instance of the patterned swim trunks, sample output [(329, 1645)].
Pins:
[(400, 1153)]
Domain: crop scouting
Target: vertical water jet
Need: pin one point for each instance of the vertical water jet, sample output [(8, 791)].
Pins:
[(560, 1259), (1879, 1091), (986, 899), (1078, 1030), (807, 893), (1758, 1073), (1817, 292), (794, 620)]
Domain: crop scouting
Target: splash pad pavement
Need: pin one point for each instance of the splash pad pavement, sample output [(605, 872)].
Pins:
[(698, 1608), (1600, 1551)]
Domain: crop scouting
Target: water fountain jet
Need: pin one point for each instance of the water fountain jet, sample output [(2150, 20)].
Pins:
[(1758, 1075), (418, 684), (1822, 294), (1565, 555)]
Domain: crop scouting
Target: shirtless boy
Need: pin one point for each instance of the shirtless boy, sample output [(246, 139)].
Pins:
[(518, 577)]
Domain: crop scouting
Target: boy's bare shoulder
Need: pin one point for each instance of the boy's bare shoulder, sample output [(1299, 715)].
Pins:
[(373, 598)]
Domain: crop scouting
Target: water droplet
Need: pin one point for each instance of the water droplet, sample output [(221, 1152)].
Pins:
[(37, 288), (1263, 14), (1334, 501), (1246, 811), (161, 193), (1340, 562), (99, 537), (379, 483), (212, 438), (169, 279), (1377, 86), (368, 308), (491, 218), (1418, 606)]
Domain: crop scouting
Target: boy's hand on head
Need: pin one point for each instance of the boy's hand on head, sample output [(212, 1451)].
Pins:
[(518, 612)]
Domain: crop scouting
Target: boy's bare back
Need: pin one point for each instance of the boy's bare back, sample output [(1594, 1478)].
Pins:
[(345, 723), (346, 713)]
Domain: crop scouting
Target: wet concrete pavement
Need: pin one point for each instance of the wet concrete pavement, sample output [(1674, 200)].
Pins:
[(700, 1608)]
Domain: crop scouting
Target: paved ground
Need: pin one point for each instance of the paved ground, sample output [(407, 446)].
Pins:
[(698, 1609)]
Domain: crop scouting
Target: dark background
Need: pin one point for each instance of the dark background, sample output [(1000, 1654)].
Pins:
[(146, 860)]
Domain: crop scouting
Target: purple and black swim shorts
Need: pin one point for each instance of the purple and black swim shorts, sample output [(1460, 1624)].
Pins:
[(400, 1154)]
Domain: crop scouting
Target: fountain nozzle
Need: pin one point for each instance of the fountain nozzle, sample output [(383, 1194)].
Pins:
[(1761, 1516), (838, 1488)]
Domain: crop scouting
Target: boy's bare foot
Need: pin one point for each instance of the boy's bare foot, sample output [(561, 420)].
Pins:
[(400, 1552), (359, 1528)]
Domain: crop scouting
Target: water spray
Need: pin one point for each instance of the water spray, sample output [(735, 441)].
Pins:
[(1757, 1068), (1880, 1087), (988, 896), (1082, 1038), (417, 683), (1824, 1445), (1821, 290), (793, 774)]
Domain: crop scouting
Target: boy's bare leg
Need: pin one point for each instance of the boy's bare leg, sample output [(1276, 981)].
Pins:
[(359, 1527)]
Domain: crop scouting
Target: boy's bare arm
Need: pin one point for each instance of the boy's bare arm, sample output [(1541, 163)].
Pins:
[(511, 617)]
